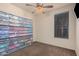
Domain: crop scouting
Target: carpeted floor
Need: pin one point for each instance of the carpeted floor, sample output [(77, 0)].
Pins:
[(40, 49)]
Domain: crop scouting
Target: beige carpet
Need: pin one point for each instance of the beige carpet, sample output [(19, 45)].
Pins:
[(40, 49)]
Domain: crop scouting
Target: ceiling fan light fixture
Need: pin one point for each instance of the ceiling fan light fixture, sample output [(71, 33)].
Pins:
[(39, 9)]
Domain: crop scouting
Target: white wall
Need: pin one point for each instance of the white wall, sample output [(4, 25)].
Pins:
[(34, 29), (45, 28), (77, 37)]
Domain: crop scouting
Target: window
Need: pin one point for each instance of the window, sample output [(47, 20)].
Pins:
[(61, 25)]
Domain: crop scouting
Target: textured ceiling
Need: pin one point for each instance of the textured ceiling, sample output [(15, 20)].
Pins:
[(32, 9)]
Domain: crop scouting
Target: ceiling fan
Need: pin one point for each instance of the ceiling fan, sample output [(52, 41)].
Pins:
[(40, 7)]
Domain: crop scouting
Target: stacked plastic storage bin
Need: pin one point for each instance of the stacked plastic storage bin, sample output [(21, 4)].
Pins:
[(15, 33)]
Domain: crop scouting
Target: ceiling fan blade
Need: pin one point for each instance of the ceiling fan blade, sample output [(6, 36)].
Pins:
[(30, 5), (49, 6)]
